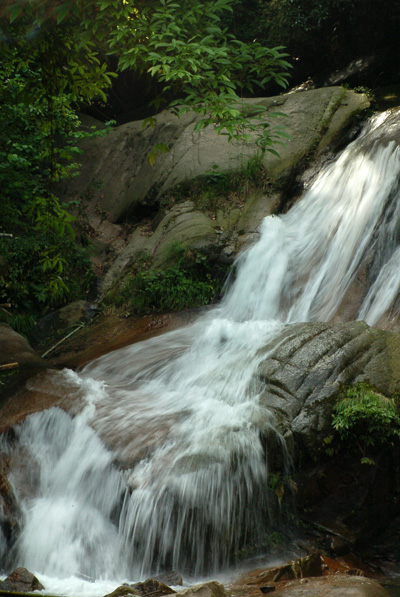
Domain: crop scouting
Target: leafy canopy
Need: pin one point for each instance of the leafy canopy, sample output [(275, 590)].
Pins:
[(194, 61)]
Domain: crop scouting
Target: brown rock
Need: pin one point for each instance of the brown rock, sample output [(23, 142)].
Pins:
[(153, 587), (21, 581), (14, 348), (308, 566), (207, 589), (332, 586)]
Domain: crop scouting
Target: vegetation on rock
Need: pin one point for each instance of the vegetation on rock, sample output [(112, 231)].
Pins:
[(365, 420), (189, 281)]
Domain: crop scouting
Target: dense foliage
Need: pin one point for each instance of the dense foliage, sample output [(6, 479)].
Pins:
[(53, 62), (188, 281), (40, 266), (366, 420)]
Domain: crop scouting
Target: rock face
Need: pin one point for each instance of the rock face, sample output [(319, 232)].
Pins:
[(117, 183), (304, 369), (55, 324), (118, 162)]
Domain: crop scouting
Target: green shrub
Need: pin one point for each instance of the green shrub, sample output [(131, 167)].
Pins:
[(28, 285), (366, 420), (186, 283)]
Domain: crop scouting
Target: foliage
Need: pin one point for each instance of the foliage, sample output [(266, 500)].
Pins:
[(194, 61), (281, 485), (29, 285), (366, 420), (39, 130), (186, 283)]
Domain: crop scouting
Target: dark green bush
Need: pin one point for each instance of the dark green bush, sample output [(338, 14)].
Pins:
[(187, 283), (366, 420)]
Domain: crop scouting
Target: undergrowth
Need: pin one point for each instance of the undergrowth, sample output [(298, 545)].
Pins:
[(190, 281), (27, 285), (365, 421)]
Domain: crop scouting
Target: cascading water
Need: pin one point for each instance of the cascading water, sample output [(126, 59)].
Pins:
[(182, 411)]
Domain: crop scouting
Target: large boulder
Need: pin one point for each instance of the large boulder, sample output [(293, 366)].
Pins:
[(335, 586), (309, 362), (14, 348), (122, 181)]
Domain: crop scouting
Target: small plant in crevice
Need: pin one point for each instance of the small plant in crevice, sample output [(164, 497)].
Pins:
[(189, 281), (365, 421)]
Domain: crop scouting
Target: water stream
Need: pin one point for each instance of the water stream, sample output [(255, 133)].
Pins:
[(180, 413)]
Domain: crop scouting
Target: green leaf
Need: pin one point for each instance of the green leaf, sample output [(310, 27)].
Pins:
[(14, 11), (62, 12)]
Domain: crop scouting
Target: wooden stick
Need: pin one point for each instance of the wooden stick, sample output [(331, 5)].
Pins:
[(6, 234), (9, 366), (61, 341), (5, 305)]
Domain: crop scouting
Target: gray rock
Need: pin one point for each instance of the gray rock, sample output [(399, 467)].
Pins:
[(121, 180), (305, 367), (170, 577)]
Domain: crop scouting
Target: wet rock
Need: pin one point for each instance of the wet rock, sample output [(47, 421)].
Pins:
[(333, 579), (311, 565), (10, 514), (334, 586), (122, 591), (170, 577), (152, 587), (306, 366), (207, 589), (130, 184), (21, 581)]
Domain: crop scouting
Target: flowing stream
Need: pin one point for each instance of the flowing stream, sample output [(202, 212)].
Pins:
[(182, 483)]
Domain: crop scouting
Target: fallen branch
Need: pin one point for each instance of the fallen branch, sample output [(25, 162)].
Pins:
[(61, 341), (9, 366), (6, 234)]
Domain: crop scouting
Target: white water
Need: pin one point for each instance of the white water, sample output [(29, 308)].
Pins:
[(182, 411)]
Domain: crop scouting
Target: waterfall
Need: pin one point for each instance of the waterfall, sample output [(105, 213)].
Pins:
[(181, 414)]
